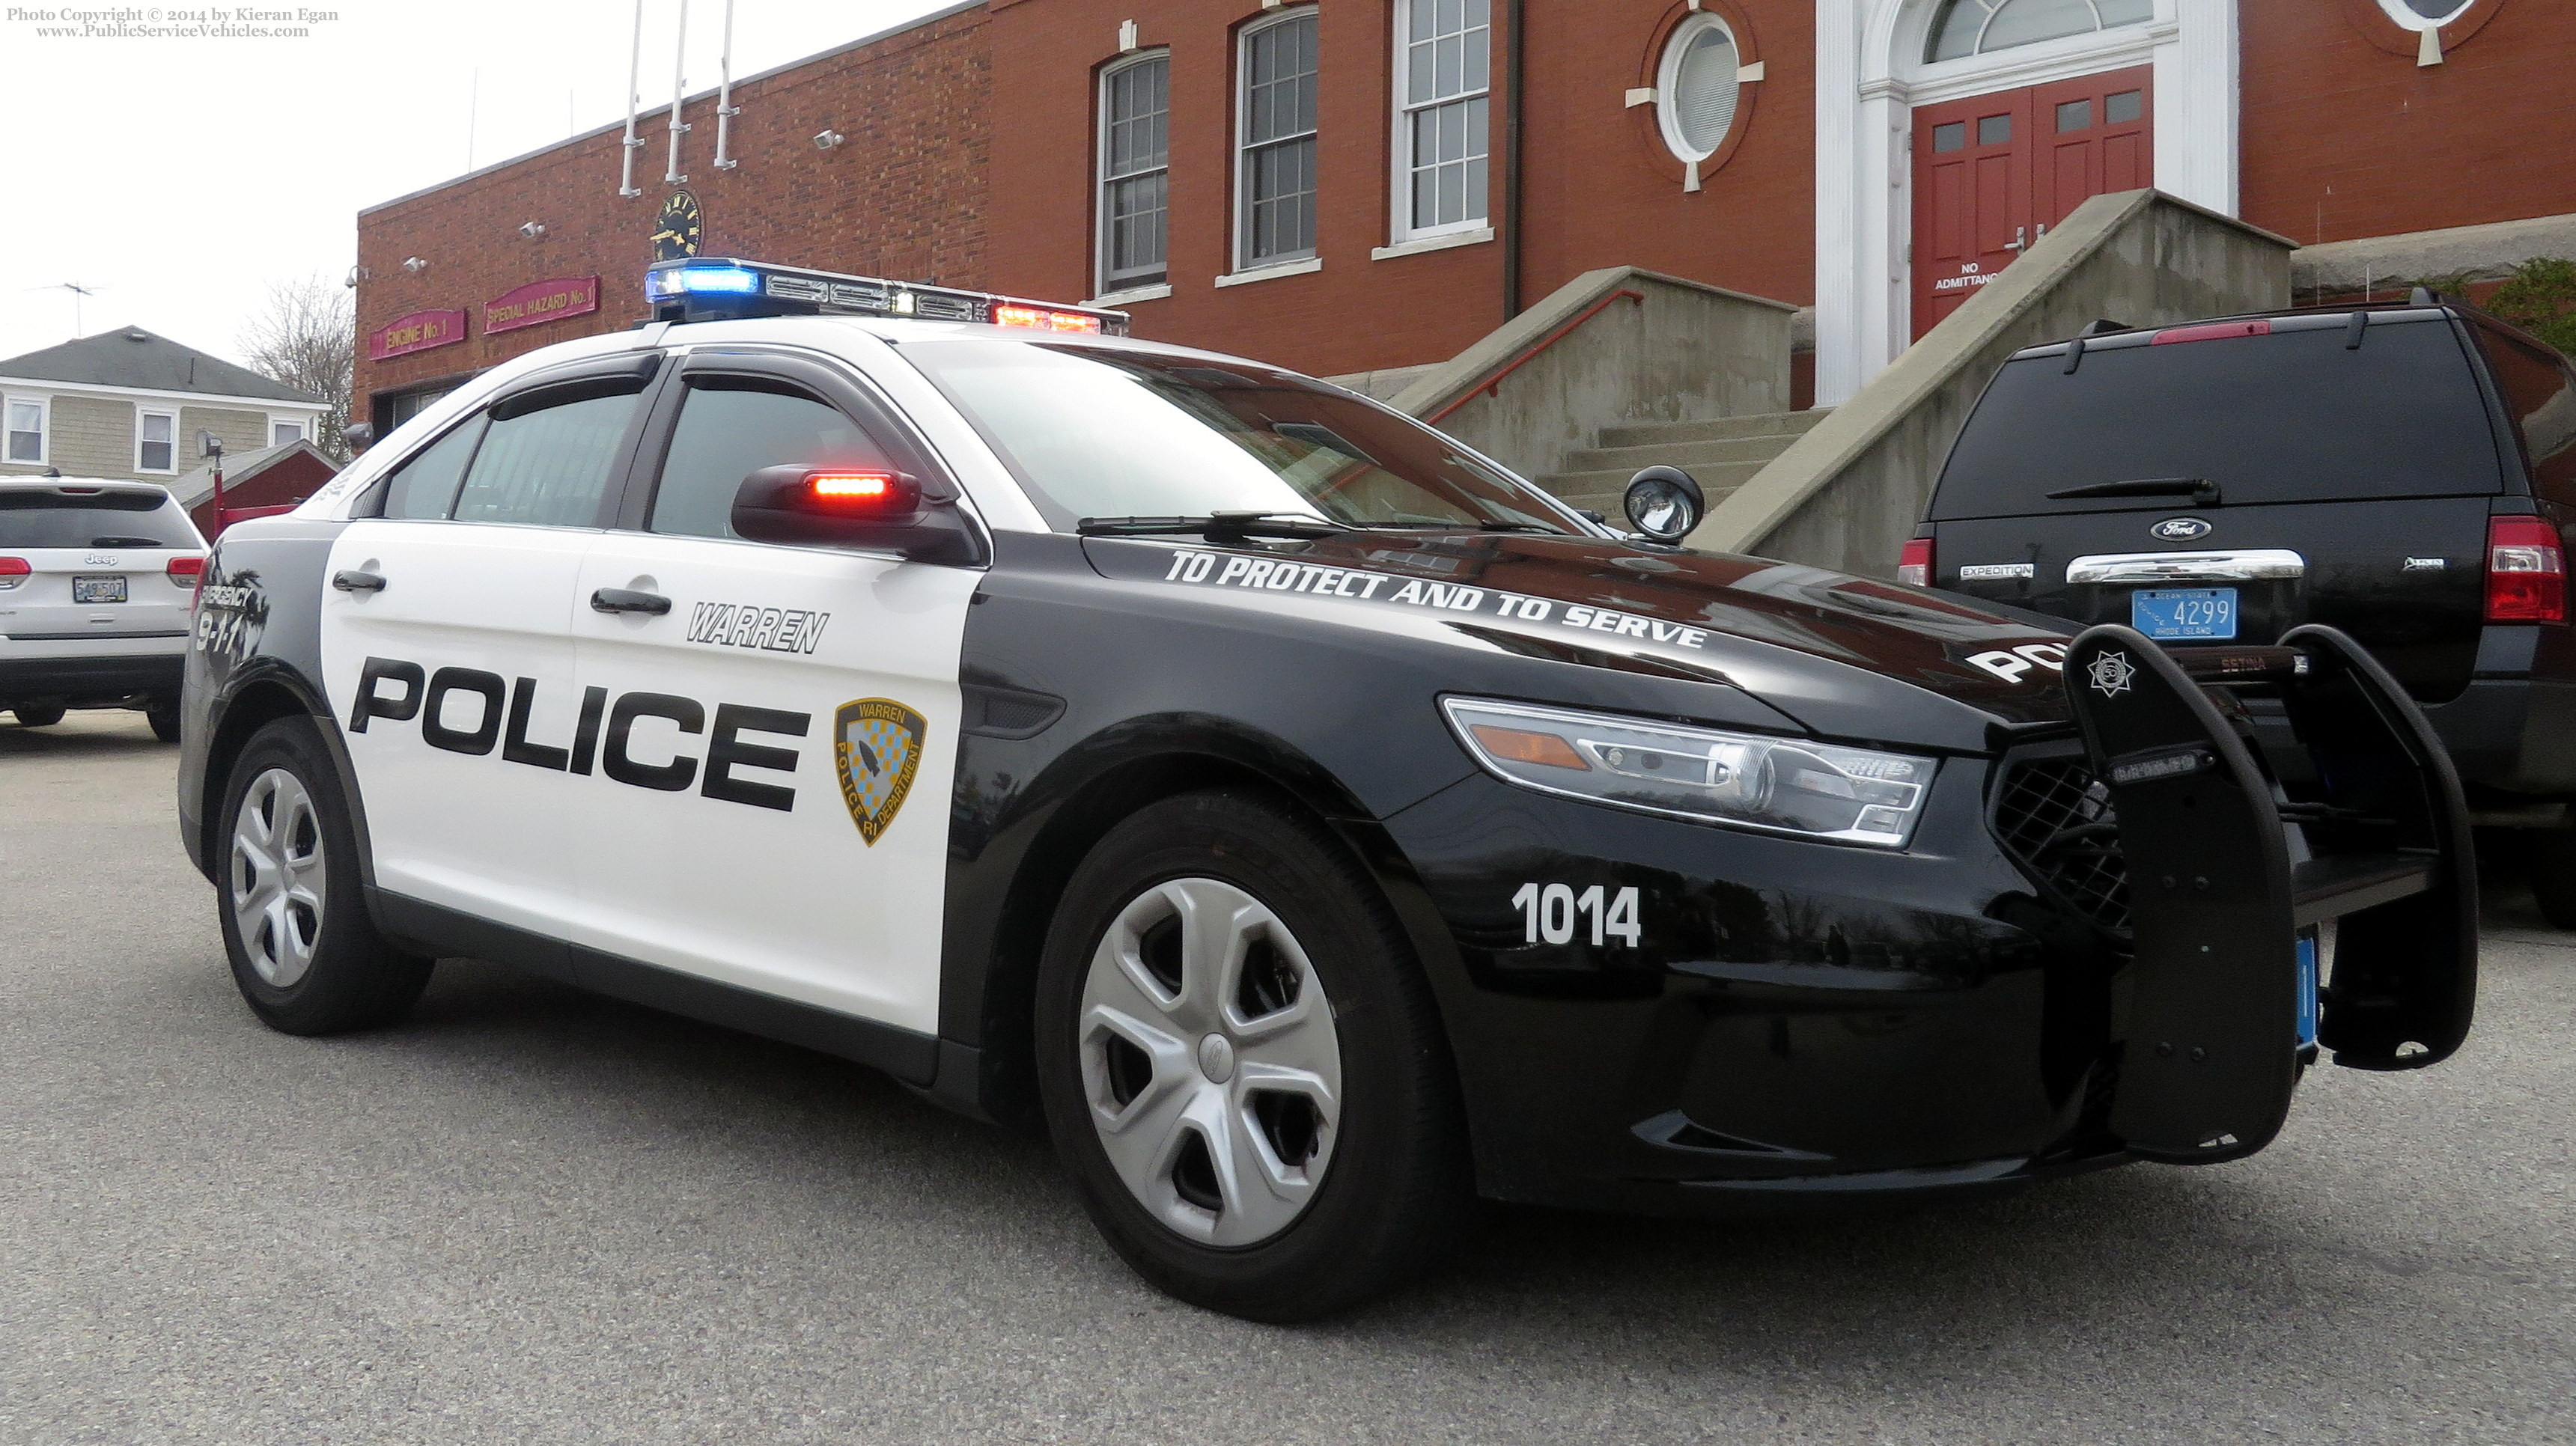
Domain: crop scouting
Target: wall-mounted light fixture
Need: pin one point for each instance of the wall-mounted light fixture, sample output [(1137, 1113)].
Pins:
[(414, 265), (532, 230), (356, 275), (827, 138)]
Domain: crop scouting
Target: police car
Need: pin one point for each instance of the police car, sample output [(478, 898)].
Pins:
[(1306, 822)]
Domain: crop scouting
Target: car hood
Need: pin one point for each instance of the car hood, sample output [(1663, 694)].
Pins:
[(1845, 656)]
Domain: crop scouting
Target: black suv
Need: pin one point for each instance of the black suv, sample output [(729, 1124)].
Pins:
[(2406, 473)]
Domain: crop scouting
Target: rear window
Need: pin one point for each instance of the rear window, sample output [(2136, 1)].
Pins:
[(2295, 416), (110, 519)]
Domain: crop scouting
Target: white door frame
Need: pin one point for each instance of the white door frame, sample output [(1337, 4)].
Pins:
[(1869, 77)]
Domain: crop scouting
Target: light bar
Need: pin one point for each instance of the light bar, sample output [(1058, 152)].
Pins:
[(705, 289)]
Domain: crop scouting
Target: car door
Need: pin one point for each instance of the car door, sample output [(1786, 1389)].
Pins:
[(447, 647), (779, 723)]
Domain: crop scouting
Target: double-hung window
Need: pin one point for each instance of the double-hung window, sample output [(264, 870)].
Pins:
[(1443, 71), (26, 430), (156, 442), (1135, 167), (1275, 142)]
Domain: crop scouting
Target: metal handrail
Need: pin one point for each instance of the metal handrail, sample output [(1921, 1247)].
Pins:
[(1492, 385)]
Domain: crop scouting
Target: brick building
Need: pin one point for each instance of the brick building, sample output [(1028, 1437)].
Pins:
[(1354, 185)]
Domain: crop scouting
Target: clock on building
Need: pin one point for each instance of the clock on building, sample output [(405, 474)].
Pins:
[(681, 227)]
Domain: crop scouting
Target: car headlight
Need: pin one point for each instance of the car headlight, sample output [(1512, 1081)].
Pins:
[(1781, 785)]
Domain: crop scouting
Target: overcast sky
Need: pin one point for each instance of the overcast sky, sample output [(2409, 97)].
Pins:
[(180, 175)]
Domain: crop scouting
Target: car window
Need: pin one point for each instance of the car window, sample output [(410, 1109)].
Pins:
[(109, 519), (730, 428), (1107, 432), (548, 467), (2294, 416), (425, 486), (2541, 398)]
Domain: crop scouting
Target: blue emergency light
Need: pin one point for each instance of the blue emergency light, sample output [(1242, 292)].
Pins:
[(704, 289)]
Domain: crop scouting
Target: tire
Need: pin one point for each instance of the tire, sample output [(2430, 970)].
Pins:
[(163, 715), (2552, 862), (37, 715), (1316, 994), (304, 952)]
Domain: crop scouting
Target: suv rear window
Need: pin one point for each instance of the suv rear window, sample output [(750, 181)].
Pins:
[(110, 519), (2294, 416)]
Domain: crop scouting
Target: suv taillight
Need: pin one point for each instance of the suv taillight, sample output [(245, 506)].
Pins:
[(2526, 571), (1914, 564), (186, 572), (13, 571)]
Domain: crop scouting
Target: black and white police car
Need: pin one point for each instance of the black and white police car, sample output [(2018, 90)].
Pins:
[(1306, 822)]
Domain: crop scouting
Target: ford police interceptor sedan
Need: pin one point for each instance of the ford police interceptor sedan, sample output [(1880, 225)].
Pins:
[(1306, 822)]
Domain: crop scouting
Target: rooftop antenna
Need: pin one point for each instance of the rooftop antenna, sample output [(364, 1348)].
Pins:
[(672, 174), (726, 110), (634, 100), (78, 291)]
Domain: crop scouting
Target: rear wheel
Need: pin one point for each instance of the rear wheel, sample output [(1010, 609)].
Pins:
[(37, 715), (304, 953), (2552, 861), (1242, 1066), (163, 715)]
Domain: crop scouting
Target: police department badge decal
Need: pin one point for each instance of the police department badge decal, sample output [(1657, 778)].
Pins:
[(2111, 674), (876, 748)]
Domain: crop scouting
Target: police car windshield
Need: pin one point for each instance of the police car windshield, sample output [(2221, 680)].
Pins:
[(1103, 432)]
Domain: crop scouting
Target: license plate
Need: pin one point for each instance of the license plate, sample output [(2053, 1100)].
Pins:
[(98, 589), (2185, 612)]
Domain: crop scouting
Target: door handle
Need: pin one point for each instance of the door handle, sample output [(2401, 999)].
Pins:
[(622, 600), (2016, 243), (351, 580)]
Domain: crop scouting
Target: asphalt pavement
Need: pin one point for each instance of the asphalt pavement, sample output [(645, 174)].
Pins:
[(531, 1214)]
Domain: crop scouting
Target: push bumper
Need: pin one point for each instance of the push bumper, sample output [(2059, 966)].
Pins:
[(1804, 1023)]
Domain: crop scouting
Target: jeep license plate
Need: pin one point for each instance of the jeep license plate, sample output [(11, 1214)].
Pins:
[(98, 589), (2195, 613)]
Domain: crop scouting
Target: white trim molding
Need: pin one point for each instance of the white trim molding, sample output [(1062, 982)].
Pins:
[(1870, 75), (1441, 242), (1298, 267), (1155, 292)]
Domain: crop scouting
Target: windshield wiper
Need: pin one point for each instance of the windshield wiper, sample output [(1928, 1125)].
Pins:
[(2201, 490), (1215, 525)]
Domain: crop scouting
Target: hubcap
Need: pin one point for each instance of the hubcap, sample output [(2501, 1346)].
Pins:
[(1210, 1062), (276, 877)]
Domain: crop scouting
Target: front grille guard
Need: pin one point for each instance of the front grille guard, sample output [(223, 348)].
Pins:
[(2213, 895)]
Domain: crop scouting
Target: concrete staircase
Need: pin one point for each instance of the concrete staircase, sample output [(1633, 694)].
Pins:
[(1722, 454)]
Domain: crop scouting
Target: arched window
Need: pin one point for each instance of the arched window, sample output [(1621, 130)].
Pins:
[(1698, 87), (1975, 27)]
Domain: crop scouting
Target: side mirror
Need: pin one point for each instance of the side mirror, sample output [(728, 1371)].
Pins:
[(1665, 503), (851, 507)]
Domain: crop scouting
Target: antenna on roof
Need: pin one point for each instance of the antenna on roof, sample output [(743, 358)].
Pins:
[(78, 291)]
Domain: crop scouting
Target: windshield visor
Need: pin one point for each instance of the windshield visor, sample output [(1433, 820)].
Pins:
[(1106, 432)]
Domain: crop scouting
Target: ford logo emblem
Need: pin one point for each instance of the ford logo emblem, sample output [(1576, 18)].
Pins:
[(2179, 529)]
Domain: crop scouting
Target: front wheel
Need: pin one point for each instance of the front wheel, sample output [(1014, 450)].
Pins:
[(37, 715), (304, 953), (1242, 1066), (163, 715)]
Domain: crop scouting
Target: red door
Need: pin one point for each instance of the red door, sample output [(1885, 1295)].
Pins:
[(1993, 172)]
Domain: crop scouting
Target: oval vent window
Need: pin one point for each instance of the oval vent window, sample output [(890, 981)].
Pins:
[(2417, 14), (1698, 87)]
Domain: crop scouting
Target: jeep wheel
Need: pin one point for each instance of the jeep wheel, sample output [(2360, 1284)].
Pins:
[(1242, 1067), (304, 953)]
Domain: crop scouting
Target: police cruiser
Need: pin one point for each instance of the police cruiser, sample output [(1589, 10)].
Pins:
[(1307, 823)]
